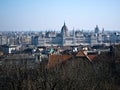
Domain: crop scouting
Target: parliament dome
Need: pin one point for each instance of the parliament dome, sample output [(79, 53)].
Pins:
[(64, 30)]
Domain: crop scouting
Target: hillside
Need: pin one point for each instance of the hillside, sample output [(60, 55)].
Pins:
[(76, 74)]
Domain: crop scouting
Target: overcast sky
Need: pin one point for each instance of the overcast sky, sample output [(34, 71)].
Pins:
[(51, 14)]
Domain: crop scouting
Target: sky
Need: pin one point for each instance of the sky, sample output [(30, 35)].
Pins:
[(51, 14)]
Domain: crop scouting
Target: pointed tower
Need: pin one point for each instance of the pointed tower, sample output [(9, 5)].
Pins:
[(96, 29)]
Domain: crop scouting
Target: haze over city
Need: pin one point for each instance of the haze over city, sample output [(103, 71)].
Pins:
[(51, 14)]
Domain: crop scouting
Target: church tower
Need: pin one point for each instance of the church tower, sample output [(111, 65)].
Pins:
[(97, 29)]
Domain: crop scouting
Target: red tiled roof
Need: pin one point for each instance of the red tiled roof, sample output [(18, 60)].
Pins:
[(57, 59), (91, 57), (80, 54)]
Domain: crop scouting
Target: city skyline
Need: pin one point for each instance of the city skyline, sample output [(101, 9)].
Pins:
[(51, 14)]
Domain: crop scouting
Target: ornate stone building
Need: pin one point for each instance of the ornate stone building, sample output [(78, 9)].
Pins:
[(76, 38)]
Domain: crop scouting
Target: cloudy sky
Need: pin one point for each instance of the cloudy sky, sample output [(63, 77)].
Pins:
[(51, 14)]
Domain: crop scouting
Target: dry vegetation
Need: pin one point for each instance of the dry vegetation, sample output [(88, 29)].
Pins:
[(75, 74)]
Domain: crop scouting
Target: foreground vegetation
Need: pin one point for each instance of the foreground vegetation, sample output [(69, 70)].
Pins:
[(75, 74)]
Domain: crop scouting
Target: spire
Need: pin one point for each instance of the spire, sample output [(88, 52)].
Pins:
[(64, 23), (96, 29), (96, 26)]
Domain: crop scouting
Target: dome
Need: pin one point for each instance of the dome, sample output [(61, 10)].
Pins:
[(64, 29)]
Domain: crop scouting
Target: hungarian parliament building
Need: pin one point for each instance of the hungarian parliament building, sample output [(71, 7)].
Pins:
[(73, 38), (65, 37)]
